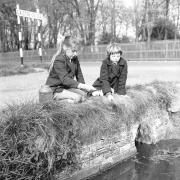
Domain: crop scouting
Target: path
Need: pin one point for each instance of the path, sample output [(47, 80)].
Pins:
[(21, 88)]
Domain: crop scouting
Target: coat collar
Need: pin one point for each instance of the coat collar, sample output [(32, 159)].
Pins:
[(66, 59), (120, 62)]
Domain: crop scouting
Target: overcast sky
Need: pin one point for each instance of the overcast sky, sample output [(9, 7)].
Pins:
[(128, 3)]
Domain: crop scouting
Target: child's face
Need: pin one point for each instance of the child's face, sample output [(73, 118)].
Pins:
[(114, 57), (69, 53), (75, 53)]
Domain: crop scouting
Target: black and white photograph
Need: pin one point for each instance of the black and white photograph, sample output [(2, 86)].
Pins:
[(89, 89)]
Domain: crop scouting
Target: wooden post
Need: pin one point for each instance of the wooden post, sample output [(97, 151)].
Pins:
[(33, 15), (167, 50), (39, 37), (20, 36)]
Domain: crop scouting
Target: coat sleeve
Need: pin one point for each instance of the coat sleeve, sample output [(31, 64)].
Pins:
[(104, 78), (122, 80), (79, 75), (61, 71)]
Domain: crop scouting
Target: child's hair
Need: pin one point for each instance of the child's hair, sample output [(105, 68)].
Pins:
[(67, 42), (63, 44), (70, 42), (113, 47)]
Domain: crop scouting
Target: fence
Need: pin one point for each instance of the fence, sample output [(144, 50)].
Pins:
[(141, 51), (153, 51)]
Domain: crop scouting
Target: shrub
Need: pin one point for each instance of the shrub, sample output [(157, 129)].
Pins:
[(36, 142)]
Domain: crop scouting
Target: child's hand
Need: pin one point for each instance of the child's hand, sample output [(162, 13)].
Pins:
[(97, 93), (110, 97), (86, 87), (112, 90)]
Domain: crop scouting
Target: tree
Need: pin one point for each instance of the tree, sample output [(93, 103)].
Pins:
[(166, 15), (81, 16), (175, 13), (105, 38), (104, 18), (148, 19), (150, 12), (164, 29), (8, 26), (56, 12), (92, 11), (86, 12), (124, 18)]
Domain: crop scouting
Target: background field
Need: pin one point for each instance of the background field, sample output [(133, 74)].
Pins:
[(20, 88)]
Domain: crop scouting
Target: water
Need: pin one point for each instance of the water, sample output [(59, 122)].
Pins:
[(152, 162)]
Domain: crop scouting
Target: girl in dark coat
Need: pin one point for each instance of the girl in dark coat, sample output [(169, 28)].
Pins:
[(113, 74), (65, 67)]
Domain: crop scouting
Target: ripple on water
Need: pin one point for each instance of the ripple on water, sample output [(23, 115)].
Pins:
[(152, 162)]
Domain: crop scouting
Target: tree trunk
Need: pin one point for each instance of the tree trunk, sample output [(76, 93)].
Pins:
[(149, 31), (92, 29), (167, 10), (113, 22), (3, 37)]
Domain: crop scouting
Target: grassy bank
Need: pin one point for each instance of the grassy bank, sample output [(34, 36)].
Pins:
[(14, 69), (38, 141)]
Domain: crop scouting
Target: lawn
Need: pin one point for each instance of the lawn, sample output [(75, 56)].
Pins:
[(11, 69)]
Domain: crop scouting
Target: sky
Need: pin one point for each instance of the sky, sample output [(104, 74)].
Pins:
[(131, 31), (127, 3)]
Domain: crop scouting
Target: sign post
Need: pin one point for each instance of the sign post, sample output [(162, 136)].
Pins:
[(39, 37), (33, 15), (29, 14), (20, 36)]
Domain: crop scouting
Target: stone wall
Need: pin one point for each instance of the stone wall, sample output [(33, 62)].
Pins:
[(156, 123), (161, 123), (76, 141)]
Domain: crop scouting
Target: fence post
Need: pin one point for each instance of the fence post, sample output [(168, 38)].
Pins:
[(166, 49), (140, 51)]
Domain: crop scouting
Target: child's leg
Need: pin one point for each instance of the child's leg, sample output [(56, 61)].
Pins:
[(78, 91), (83, 94), (68, 95)]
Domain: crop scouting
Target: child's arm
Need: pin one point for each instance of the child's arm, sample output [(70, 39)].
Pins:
[(60, 69), (79, 75), (122, 80), (106, 88)]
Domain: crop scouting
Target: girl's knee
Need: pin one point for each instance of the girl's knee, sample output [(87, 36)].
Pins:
[(78, 98), (69, 96)]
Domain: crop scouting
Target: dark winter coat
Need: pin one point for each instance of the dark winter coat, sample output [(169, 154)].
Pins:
[(112, 76), (63, 73)]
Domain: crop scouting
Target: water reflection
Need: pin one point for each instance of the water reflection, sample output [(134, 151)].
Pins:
[(152, 162)]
